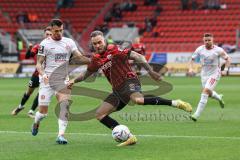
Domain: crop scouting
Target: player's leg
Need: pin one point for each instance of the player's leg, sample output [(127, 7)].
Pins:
[(63, 98), (214, 94), (40, 115), (31, 87), (111, 104), (35, 101), (33, 108), (209, 84), (132, 91), (24, 99), (218, 97), (138, 98), (107, 107), (45, 94)]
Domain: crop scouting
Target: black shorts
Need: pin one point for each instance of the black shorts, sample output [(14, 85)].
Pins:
[(34, 82), (120, 98)]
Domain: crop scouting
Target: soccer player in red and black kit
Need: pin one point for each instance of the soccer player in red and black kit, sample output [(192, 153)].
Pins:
[(34, 82), (125, 83), (138, 47)]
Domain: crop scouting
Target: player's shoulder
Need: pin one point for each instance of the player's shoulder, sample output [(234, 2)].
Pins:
[(218, 48), (111, 47), (202, 47), (68, 40), (36, 45), (45, 41)]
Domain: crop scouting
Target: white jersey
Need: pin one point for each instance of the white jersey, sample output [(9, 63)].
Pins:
[(210, 59), (56, 53)]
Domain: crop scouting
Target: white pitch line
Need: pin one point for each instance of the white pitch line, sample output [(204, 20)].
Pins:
[(140, 135)]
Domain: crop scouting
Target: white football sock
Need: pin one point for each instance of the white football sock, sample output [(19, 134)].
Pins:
[(62, 127), (20, 106), (174, 103), (63, 117), (216, 96), (201, 105), (39, 116)]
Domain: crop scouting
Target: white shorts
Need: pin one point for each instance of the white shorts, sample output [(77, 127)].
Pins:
[(210, 82), (45, 94)]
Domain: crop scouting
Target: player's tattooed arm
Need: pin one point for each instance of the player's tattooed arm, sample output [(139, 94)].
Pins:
[(80, 78), (78, 58), (39, 66), (83, 76), (142, 60)]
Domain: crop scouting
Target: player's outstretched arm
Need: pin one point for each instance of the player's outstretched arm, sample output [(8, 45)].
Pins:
[(80, 78), (227, 59), (79, 58), (142, 60)]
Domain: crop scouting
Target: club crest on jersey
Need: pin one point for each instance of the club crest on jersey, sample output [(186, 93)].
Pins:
[(42, 97), (67, 47), (109, 56)]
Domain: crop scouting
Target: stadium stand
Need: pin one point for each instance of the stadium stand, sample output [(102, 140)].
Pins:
[(176, 29), (179, 30)]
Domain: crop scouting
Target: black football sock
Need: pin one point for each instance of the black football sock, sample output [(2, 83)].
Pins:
[(24, 99), (109, 122), (157, 101), (35, 103)]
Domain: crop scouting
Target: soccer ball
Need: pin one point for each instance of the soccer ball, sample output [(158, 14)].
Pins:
[(120, 133)]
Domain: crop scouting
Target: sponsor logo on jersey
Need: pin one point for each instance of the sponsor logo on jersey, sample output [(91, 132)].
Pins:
[(60, 57), (106, 65)]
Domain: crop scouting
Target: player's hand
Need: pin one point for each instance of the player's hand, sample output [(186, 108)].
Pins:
[(191, 72), (30, 46), (70, 84), (156, 76), (45, 79), (224, 73)]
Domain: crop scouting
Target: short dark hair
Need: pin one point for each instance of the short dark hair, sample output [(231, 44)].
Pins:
[(56, 22), (48, 28), (96, 33), (208, 35)]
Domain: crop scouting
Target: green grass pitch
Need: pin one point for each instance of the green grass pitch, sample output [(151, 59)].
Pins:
[(163, 133)]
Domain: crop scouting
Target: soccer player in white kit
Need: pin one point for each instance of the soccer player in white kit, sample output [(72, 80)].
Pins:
[(55, 52), (211, 71)]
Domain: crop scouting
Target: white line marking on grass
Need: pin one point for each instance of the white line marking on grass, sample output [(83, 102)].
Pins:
[(140, 135)]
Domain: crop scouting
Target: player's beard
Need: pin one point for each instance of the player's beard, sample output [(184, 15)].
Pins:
[(102, 50), (57, 38), (209, 46)]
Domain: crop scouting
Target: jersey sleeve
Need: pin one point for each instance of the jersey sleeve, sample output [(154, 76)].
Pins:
[(196, 53), (73, 46), (93, 67), (42, 50), (220, 50), (34, 50)]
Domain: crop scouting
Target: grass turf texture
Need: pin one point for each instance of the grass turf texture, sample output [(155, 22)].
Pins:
[(163, 132)]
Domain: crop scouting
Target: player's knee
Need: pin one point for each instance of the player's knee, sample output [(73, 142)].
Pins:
[(99, 115), (138, 100), (207, 91)]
